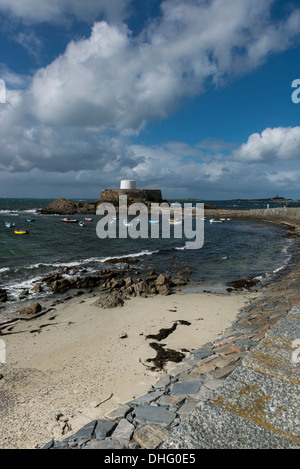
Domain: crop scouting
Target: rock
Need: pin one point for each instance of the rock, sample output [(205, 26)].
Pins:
[(3, 296), (164, 289), (185, 271), (107, 443), (123, 260), (112, 300), (31, 310), (84, 433), (151, 436), (23, 294), (37, 288), (104, 428), (119, 412), (117, 283), (146, 398), (160, 415), (123, 432), (161, 280), (128, 281), (61, 286), (66, 207), (185, 388), (242, 284)]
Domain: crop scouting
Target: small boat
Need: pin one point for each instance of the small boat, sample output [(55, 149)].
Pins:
[(8, 224), (88, 219), (81, 223), (67, 220), (153, 221), (212, 220), (30, 219), (175, 221), (127, 223), (21, 232)]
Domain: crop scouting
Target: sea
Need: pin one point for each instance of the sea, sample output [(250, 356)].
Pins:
[(232, 250)]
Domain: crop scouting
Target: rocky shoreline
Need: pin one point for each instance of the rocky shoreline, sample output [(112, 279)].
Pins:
[(148, 421)]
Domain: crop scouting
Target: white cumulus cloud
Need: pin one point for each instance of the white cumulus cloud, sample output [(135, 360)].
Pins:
[(281, 143)]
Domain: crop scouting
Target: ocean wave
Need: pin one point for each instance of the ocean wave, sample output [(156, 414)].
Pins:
[(74, 263)]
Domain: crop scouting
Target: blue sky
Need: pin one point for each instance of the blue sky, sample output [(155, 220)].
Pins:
[(190, 96)]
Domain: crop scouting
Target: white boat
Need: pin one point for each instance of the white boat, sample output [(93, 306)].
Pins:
[(212, 220), (175, 221), (8, 224), (127, 223), (81, 223), (67, 220)]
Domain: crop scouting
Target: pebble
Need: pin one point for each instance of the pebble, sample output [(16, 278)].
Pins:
[(147, 421)]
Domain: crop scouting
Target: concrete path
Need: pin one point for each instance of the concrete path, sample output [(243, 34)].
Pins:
[(258, 405)]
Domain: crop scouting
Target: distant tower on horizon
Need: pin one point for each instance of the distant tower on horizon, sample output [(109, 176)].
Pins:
[(128, 184)]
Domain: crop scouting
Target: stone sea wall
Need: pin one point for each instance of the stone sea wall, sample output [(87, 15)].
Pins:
[(289, 215)]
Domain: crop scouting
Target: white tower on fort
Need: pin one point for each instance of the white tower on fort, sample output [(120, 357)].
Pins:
[(127, 184)]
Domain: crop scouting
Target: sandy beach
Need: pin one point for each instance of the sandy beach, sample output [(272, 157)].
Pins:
[(79, 361)]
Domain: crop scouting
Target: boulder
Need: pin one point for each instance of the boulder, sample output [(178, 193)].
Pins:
[(185, 271), (161, 280), (163, 289), (3, 296), (61, 286), (111, 300), (31, 310)]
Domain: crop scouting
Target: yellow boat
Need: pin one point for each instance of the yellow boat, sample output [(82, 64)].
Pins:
[(21, 232)]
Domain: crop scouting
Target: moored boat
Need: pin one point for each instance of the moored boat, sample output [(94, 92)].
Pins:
[(175, 221), (21, 232), (127, 223), (67, 220), (9, 224)]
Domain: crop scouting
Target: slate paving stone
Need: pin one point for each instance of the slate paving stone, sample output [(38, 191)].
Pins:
[(123, 433), (149, 414), (84, 433), (185, 388), (151, 436), (104, 428), (146, 398), (119, 412)]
